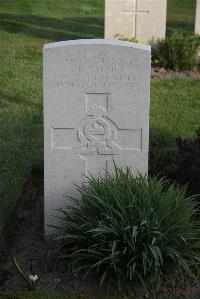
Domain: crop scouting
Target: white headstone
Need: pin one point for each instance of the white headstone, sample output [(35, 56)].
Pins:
[(143, 19), (197, 22), (96, 110)]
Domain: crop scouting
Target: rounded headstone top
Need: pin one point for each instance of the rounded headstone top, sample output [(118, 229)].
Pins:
[(98, 42)]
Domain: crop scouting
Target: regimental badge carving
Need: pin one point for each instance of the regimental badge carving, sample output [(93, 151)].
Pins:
[(97, 134)]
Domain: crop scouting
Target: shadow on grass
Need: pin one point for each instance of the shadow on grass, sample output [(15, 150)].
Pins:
[(186, 26), (159, 136), (7, 99), (67, 28), (177, 159), (51, 28)]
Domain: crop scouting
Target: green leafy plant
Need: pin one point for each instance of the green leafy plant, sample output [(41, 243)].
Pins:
[(179, 51), (131, 230)]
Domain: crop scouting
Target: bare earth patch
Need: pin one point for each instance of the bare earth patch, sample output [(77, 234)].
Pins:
[(162, 73)]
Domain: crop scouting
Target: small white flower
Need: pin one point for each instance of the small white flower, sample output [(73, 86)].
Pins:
[(33, 277)]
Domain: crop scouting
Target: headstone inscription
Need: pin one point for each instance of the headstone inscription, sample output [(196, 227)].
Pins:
[(96, 110), (143, 19), (197, 21)]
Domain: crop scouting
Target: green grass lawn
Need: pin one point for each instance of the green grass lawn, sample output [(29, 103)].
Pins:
[(175, 108), (56, 296), (181, 14), (25, 26)]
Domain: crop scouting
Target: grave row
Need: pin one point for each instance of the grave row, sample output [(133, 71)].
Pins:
[(142, 19), (96, 102)]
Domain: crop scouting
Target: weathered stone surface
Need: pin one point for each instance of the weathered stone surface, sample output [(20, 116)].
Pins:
[(96, 110), (143, 19), (197, 22)]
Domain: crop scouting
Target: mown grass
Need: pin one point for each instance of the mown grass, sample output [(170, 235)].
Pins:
[(25, 26), (175, 108), (181, 14)]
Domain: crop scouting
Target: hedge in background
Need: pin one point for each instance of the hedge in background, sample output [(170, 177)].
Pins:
[(178, 52)]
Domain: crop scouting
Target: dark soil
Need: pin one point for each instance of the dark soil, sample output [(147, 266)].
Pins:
[(27, 244), (25, 240)]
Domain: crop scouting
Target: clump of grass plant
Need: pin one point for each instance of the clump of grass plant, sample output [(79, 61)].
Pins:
[(131, 230)]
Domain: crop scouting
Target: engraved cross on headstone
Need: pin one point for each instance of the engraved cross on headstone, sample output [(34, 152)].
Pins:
[(96, 137), (135, 12)]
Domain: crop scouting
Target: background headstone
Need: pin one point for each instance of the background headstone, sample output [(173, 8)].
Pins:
[(143, 19), (96, 110), (197, 22)]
